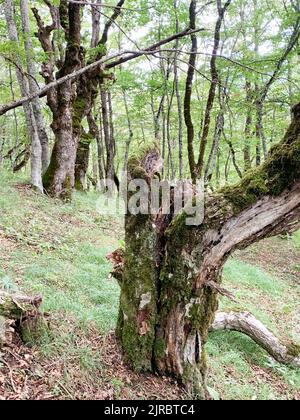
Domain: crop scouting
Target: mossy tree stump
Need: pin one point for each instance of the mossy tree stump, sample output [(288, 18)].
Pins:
[(20, 313), (171, 272)]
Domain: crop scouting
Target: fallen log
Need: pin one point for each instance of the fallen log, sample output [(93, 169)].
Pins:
[(246, 323), (20, 314)]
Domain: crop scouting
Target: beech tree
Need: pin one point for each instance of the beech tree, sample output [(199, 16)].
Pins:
[(34, 120), (169, 297)]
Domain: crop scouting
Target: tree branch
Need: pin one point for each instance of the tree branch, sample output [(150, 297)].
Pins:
[(246, 323), (101, 64)]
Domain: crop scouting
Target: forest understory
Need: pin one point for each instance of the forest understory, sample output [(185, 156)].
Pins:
[(60, 252)]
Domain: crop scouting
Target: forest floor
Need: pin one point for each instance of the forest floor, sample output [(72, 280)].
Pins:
[(60, 252)]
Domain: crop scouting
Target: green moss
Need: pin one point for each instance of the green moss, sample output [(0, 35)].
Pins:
[(160, 348), (136, 326), (35, 331), (79, 108), (136, 159), (293, 350), (278, 173)]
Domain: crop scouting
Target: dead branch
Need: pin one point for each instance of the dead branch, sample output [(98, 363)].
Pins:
[(246, 323)]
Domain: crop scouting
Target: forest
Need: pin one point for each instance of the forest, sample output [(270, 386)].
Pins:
[(150, 200)]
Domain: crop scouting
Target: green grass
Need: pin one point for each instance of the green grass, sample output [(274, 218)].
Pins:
[(296, 239), (60, 251), (235, 360)]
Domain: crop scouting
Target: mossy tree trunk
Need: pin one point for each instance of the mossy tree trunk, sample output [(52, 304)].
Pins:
[(59, 178), (172, 272)]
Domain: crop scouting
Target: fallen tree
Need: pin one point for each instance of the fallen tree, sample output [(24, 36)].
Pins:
[(20, 314), (171, 273)]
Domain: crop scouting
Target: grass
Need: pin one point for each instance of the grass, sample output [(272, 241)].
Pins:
[(60, 252), (240, 369)]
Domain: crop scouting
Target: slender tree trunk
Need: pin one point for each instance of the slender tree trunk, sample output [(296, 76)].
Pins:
[(36, 152), (33, 86), (248, 128), (214, 83), (130, 132), (178, 97), (109, 144), (188, 94), (215, 147), (258, 125), (171, 167), (170, 274)]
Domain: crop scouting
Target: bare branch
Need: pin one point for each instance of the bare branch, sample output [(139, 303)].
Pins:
[(100, 64), (246, 323), (109, 6)]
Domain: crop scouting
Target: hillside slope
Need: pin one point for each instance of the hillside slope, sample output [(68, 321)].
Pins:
[(59, 251)]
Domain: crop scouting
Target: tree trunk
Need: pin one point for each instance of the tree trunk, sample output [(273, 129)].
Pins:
[(59, 179), (36, 152), (248, 124), (36, 106), (98, 135), (20, 313), (171, 273), (246, 323), (178, 97), (188, 94), (82, 161), (214, 83), (108, 132), (130, 132)]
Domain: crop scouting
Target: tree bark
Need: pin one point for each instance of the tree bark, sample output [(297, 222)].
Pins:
[(109, 144), (20, 313), (188, 94), (246, 323), (171, 273), (59, 179), (36, 152), (178, 97), (33, 86), (248, 125), (214, 83), (130, 132)]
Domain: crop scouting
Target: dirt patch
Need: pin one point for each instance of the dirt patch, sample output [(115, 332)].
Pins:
[(267, 376), (24, 375)]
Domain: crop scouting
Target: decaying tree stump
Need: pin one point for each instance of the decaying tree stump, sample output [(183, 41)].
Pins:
[(171, 274), (20, 314)]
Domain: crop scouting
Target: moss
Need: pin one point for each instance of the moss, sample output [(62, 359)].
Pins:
[(293, 350), (135, 162), (63, 14), (136, 327), (35, 330), (79, 108), (68, 189), (160, 348), (279, 172)]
